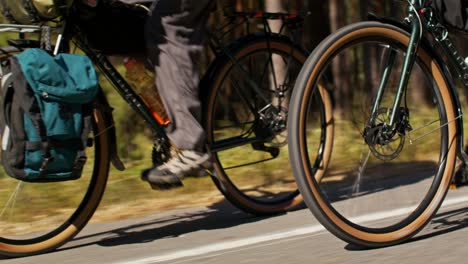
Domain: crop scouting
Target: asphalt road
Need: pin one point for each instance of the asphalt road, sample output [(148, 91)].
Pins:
[(222, 234)]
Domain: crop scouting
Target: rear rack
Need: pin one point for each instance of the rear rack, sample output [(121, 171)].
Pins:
[(20, 28), (43, 32)]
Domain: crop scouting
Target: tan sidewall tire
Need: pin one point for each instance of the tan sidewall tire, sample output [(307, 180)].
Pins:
[(222, 180), (309, 188)]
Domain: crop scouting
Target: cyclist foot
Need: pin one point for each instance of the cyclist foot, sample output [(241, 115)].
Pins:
[(170, 175)]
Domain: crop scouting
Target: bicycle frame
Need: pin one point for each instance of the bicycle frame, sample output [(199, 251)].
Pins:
[(416, 33)]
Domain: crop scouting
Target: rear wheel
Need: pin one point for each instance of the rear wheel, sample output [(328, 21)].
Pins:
[(383, 184), (247, 129), (39, 217)]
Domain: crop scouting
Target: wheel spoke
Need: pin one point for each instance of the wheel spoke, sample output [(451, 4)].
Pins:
[(10, 204), (392, 173), (256, 176)]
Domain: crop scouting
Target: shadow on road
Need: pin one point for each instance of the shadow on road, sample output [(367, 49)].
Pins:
[(223, 215), (218, 216), (441, 224), (444, 223), (377, 178)]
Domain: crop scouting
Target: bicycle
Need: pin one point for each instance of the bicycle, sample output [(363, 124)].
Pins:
[(253, 124), (399, 130)]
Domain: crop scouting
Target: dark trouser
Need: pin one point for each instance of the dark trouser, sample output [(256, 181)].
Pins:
[(175, 39), (453, 12)]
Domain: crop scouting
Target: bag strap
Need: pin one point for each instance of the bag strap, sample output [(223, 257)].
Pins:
[(81, 158), (38, 123), (87, 127), (7, 96)]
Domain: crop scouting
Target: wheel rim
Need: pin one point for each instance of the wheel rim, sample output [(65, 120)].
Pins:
[(266, 187), (349, 195)]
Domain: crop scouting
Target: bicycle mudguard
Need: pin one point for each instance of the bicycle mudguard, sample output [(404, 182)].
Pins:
[(447, 75), (104, 106)]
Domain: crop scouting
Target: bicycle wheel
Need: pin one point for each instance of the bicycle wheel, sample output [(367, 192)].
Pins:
[(245, 119), (379, 189), (39, 217)]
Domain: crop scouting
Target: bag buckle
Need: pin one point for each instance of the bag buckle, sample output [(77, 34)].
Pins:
[(79, 163), (45, 163)]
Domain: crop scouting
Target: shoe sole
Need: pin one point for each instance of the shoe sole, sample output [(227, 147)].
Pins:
[(176, 181), (165, 186)]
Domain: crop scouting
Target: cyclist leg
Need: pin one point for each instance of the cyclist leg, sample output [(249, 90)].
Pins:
[(175, 41)]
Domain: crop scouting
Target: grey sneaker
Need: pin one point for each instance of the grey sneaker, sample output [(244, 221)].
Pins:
[(185, 164)]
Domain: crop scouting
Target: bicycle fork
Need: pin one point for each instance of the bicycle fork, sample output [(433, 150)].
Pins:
[(388, 130), (408, 64)]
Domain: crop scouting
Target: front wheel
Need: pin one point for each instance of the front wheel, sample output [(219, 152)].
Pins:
[(383, 184), (39, 217), (246, 122)]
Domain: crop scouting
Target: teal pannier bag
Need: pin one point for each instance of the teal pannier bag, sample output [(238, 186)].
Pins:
[(46, 115)]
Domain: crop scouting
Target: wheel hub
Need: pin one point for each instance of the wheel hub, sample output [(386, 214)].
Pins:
[(386, 143)]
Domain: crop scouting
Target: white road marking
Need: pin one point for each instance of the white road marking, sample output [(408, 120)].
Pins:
[(228, 245)]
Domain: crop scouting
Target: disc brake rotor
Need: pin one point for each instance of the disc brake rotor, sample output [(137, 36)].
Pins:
[(383, 148)]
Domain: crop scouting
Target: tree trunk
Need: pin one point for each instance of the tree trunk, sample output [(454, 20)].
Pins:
[(342, 76), (314, 34)]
